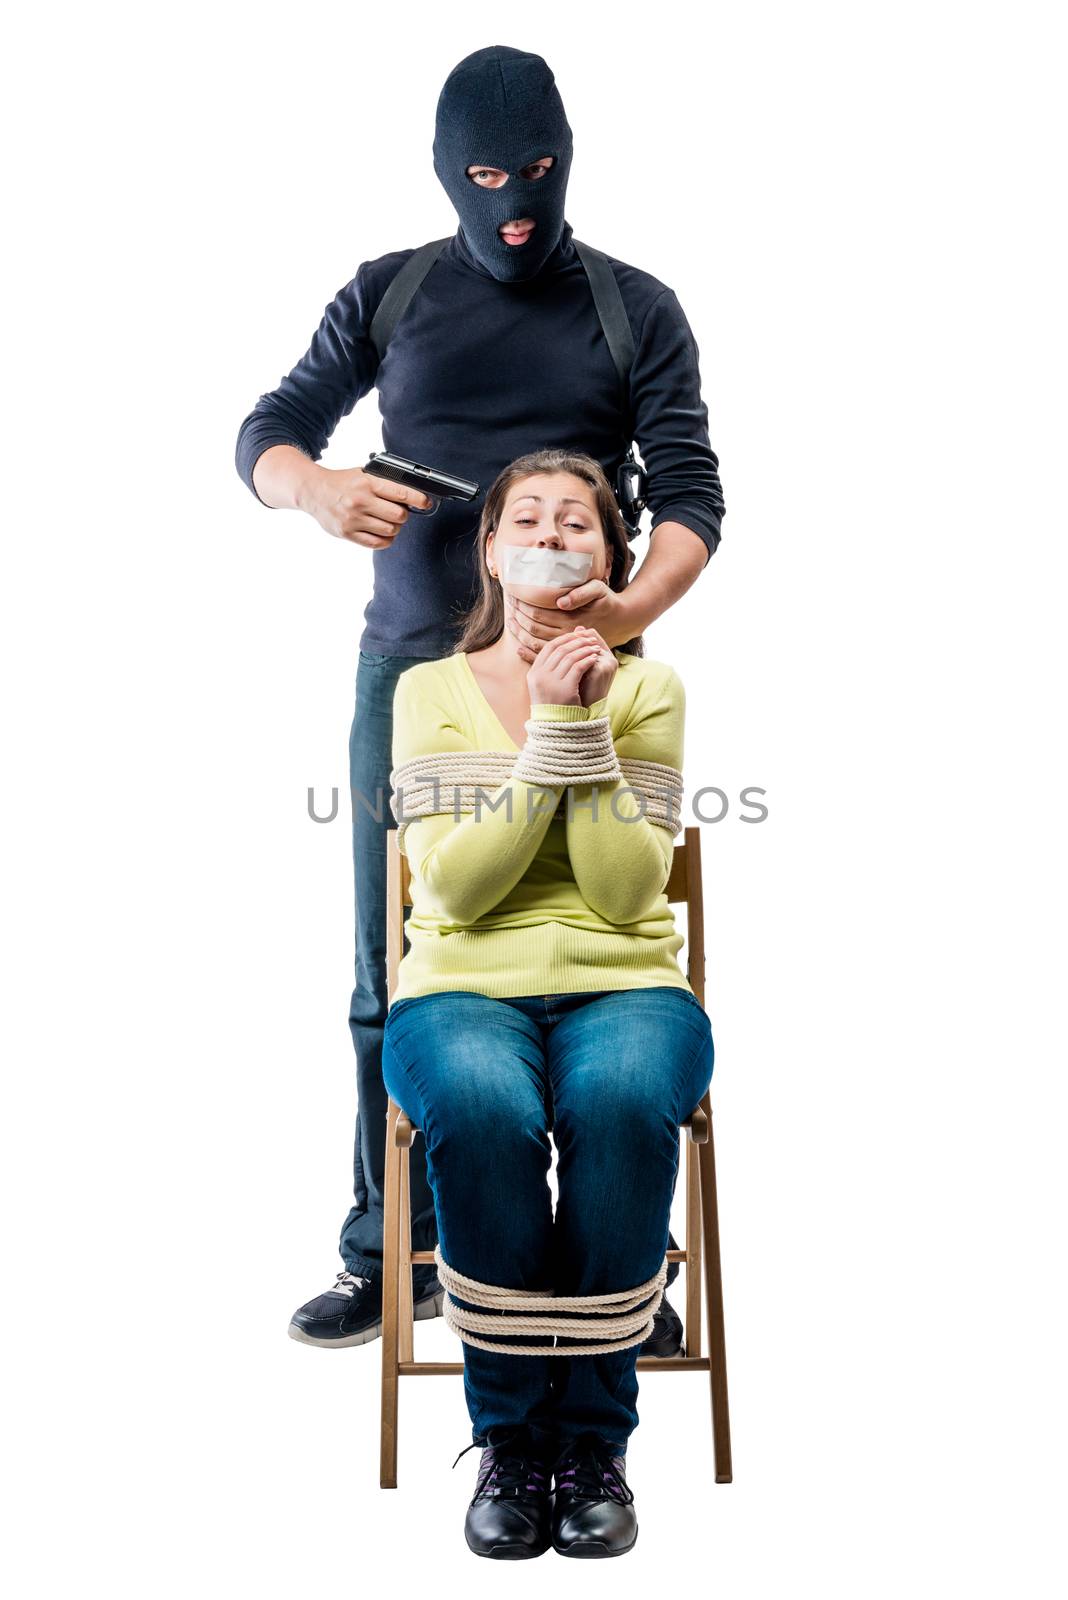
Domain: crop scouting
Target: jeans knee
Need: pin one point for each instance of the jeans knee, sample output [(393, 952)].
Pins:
[(621, 1127), (486, 1131)]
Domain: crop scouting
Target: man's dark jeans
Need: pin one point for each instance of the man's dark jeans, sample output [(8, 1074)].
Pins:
[(370, 764)]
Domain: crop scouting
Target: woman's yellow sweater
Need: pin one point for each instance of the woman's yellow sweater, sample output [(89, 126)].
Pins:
[(514, 900)]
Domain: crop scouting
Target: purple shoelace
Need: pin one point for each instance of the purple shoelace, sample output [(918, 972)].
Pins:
[(508, 1470), (588, 1469)]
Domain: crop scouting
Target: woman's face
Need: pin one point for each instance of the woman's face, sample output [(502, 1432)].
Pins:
[(550, 511)]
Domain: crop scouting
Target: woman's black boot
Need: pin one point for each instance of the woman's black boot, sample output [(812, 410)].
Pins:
[(593, 1514), (509, 1517)]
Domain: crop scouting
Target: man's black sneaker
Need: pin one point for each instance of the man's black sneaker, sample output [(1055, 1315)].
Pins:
[(351, 1313), (508, 1518), (666, 1337), (593, 1510)]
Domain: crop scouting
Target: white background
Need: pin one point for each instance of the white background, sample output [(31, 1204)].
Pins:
[(859, 208)]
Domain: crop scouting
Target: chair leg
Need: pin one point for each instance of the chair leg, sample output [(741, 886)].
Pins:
[(693, 1251), (405, 1306), (390, 1308), (717, 1349)]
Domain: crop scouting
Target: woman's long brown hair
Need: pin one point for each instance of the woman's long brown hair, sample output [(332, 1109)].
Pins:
[(484, 622)]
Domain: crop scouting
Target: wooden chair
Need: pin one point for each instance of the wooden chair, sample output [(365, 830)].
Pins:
[(702, 1220)]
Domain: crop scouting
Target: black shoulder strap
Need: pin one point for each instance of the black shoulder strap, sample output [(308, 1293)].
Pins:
[(603, 285), (610, 309), (394, 302)]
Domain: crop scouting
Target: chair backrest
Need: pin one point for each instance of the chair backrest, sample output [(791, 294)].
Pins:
[(683, 887)]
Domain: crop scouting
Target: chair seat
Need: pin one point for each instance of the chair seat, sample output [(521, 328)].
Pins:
[(696, 1124)]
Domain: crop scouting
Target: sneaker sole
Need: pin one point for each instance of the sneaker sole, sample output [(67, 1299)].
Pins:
[(423, 1311)]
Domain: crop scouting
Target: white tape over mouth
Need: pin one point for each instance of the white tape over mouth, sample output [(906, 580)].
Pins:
[(547, 569)]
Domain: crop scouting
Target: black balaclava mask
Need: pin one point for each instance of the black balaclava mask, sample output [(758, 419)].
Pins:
[(502, 107)]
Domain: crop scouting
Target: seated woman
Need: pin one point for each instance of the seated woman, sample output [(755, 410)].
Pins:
[(537, 806)]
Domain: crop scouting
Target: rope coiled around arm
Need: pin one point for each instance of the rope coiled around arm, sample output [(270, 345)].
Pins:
[(568, 752), (455, 782)]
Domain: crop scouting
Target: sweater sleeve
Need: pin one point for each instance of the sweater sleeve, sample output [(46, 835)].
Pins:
[(671, 424), (621, 861), (336, 371), (468, 865)]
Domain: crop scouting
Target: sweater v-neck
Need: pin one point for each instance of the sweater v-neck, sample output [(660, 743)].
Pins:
[(491, 715), (487, 709)]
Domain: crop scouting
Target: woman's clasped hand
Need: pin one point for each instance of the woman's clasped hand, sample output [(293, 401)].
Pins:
[(574, 669)]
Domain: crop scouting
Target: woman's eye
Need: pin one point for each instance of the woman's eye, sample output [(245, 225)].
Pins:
[(528, 522)]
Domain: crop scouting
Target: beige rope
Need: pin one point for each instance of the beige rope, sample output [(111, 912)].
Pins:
[(568, 752), (631, 1323), (455, 782)]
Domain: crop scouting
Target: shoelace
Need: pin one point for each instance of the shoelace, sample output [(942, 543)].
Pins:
[(508, 1470), (587, 1469), (346, 1283)]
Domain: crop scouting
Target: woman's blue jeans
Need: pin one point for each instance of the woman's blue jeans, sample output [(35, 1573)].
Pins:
[(613, 1073)]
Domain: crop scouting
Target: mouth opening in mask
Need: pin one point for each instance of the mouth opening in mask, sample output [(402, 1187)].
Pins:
[(517, 234)]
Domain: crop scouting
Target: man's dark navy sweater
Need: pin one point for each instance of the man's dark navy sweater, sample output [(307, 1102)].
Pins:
[(477, 373)]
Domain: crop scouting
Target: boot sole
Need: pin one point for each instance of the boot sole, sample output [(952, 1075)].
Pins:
[(593, 1552), (423, 1311), (509, 1552)]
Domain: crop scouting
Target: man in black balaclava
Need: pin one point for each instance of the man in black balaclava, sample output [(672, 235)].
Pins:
[(500, 352), (502, 107)]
